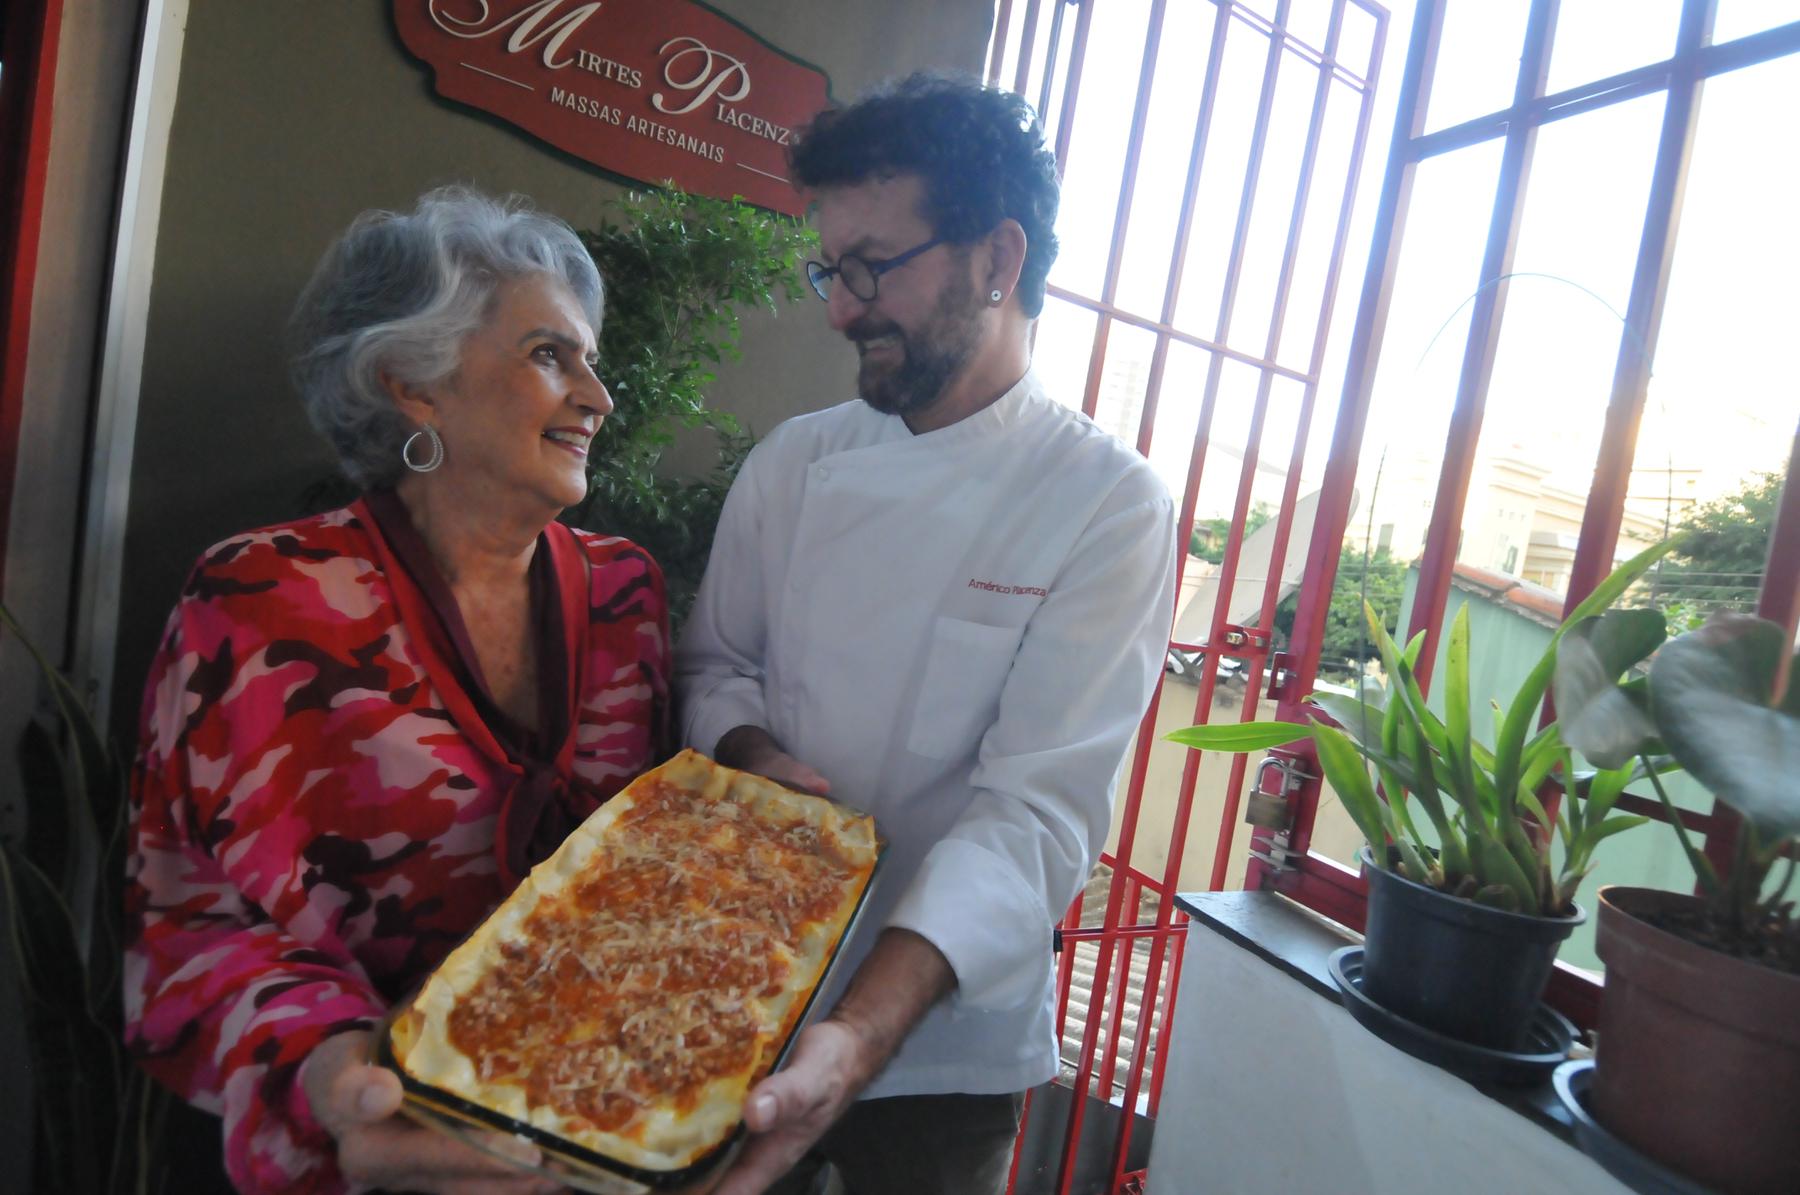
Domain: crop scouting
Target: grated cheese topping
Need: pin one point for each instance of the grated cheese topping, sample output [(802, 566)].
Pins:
[(636, 985)]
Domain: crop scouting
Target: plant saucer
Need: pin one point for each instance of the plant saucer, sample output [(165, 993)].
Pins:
[(1573, 1081), (1548, 1039)]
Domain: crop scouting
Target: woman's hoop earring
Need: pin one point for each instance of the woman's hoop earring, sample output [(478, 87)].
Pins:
[(437, 450), (994, 297)]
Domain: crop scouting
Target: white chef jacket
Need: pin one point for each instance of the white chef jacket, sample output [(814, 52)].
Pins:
[(960, 630)]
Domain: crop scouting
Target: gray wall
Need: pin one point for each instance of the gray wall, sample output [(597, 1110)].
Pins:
[(290, 119)]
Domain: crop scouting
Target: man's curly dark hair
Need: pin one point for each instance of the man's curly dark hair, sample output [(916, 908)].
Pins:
[(979, 149)]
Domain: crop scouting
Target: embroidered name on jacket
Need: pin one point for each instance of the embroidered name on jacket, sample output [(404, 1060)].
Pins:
[(995, 587)]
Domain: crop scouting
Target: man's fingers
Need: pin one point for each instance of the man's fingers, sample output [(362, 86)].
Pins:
[(785, 769), (763, 1160)]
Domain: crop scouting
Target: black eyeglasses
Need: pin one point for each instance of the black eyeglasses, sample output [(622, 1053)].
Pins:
[(859, 274)]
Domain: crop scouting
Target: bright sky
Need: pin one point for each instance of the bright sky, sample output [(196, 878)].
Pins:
[(1724, 397)]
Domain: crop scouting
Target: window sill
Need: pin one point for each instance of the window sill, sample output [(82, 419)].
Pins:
[(1268, 1085), (1298, 942)]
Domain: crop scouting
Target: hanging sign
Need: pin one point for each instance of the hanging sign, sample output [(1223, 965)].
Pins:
[(651, 89)]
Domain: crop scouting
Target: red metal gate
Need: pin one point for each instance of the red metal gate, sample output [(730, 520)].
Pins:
[(1285, 185)]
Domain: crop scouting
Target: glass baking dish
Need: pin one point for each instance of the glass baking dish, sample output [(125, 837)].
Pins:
[(574, 1163)]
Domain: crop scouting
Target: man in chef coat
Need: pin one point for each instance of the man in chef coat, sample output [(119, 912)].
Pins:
[(946, 604)]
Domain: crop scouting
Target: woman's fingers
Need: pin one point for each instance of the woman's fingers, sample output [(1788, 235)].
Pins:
[(398, 1154), (359, 1105)]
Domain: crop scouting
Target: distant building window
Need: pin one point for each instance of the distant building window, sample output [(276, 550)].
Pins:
[(1512, 560)]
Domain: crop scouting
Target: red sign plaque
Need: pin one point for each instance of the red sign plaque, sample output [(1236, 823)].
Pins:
[(651, 89)]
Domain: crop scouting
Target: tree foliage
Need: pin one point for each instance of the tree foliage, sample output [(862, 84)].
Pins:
[(1380, 580), (679, 268), (1721, 549), (1207, 540)]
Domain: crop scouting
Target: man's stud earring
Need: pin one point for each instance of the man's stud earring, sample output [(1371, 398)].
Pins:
[(994, 297)]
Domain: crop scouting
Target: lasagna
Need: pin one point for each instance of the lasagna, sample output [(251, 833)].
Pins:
[(627, 995)]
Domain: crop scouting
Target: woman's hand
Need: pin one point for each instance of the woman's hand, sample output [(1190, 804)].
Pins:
[(359, 1104), (753, 749)]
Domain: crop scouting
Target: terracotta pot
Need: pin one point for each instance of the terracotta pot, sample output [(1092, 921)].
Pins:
[(1698, 1060), (1462, 969)]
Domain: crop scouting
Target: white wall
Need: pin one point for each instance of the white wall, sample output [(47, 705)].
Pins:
[(1272, 1087)]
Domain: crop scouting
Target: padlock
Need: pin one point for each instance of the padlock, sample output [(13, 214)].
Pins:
[(1267, 811)]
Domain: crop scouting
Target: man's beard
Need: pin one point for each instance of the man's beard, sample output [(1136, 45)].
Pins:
[(929, 356)]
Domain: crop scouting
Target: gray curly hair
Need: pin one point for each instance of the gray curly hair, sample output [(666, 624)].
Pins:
[(398, 293)]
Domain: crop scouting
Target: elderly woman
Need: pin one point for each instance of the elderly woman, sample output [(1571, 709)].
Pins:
[(363, 728)]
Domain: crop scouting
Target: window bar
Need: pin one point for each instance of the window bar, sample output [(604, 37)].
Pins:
[(1322, 883), (1179, 945), (1002, 26), (1121, 315), (1109, 1064), (1234, 540), (1439, 558), (1115, 253), (1627, 85), (1228, 571), (1146, 731), (1780, 597), (1190, 189), (1049, 79), (1599, 537), (1027, 44), (1315, 365), (1778, 601), (1065, 121), (1185, 794), (1290, 492)]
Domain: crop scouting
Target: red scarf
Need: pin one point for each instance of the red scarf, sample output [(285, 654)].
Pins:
[(546, 799)]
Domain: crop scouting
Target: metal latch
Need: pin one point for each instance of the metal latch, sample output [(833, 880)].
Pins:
[(1281, 671), (1247, 640), (1277, 855)]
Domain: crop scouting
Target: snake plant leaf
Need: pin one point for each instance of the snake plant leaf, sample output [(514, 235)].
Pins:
[(1608, 723), (1713, 697), (1349, 778), (1458, 732), (1359, 719), (1239, 737), (1495, 865)]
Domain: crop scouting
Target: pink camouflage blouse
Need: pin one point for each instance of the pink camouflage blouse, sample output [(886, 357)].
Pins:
[(316, 802)]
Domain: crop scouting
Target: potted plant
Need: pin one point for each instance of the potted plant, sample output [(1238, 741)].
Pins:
[(679, 270), (1466, 910), (1698, 1065), (96, 1118)]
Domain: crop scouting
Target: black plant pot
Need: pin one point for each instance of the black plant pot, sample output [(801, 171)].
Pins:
[(1459, 968)]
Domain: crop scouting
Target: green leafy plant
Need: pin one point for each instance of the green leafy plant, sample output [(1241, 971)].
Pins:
[(1485, 835), (97, 1115), (679, 268), (1723, 704)]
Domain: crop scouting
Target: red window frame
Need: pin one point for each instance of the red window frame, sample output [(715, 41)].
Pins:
[(1314, 880), (27, 87)]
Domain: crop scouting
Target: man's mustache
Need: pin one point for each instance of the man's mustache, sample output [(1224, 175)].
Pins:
[(867, 329)]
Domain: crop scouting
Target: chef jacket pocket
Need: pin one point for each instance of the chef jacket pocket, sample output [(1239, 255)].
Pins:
[(965, 670)]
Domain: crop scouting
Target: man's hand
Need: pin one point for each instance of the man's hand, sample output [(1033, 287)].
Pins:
[(791, 1109), (359, 1104), (753, 749), (834, 1060)]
